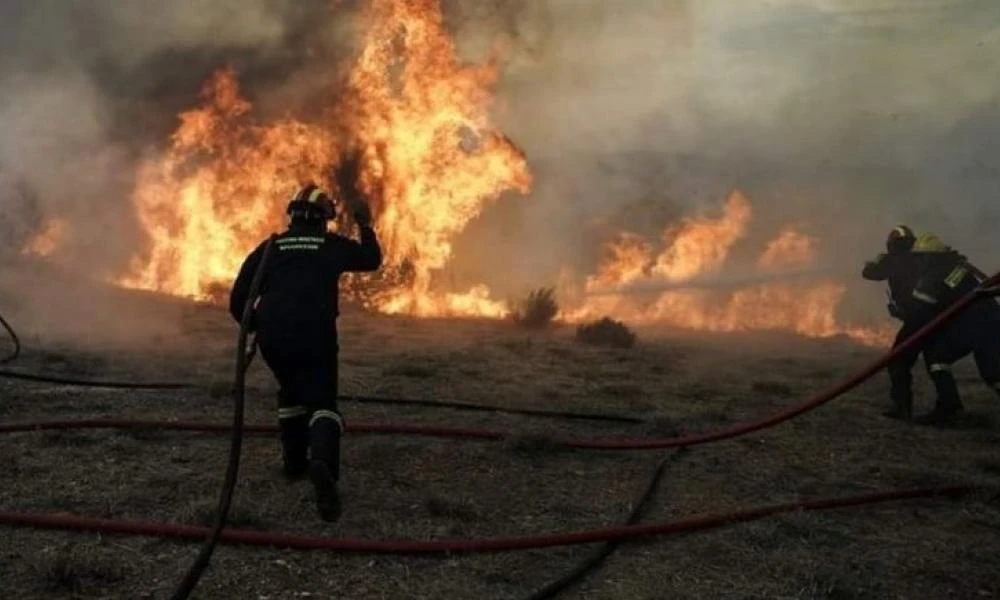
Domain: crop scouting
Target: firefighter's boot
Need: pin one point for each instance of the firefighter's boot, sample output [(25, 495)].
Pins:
[(325, 429), (902, 407), (901, 394), (949, 404)]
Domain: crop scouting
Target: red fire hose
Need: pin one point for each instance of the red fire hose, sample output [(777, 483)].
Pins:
[(503, 544)]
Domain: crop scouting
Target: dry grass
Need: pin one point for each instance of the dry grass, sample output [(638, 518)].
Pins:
[(407, 487), (76, 572)]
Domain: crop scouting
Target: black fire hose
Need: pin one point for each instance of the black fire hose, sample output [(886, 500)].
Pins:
[(243, 358), (556, 587), (94, 383), (170, 385), (475, 407), (13, 338)]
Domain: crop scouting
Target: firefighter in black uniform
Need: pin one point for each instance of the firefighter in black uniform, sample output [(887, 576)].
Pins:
[(925, 277), (295, 325)]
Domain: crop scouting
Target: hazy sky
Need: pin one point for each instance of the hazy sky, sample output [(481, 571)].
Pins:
[(863, 80), (865, 72)]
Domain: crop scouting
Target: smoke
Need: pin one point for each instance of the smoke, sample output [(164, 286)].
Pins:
[(845, 115), (58, 163), (86, 90), (730, 283), (82, 94)]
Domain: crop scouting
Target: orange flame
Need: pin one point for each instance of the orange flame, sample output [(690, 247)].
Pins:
[(48, 240), (432, 162), (217, 190), (436, 161), (791, 249), (701, 246)]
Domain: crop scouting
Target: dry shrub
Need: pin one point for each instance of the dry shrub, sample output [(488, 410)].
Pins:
[(606, 332), (537, 310)]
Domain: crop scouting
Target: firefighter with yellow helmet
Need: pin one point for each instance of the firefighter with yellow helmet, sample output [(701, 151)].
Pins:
[(296, 326), (925, 276)]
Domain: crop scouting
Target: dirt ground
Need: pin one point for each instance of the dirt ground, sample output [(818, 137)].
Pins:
[(422, 488)]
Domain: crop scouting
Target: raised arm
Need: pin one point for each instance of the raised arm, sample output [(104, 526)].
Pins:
[(362, 256)]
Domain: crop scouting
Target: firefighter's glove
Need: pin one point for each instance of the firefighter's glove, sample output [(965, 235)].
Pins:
[(362, 214)]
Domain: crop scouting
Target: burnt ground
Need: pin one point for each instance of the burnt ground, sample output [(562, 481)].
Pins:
[(422, 488)]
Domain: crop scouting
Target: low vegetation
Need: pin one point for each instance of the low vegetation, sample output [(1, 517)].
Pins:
[(538, 310), (606, 332)]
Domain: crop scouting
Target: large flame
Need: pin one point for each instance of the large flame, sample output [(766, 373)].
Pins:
[(217, 190), (432, 162), (700, 247), (436, 160)]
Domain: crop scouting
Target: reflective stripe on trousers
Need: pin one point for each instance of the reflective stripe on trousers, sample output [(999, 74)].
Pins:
[(327, 414)]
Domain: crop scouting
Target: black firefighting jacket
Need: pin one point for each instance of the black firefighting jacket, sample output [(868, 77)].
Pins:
[(928, 279), (300, 287)]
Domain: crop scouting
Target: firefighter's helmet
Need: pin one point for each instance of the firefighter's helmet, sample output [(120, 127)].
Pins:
[(900, 240), (311, 201)]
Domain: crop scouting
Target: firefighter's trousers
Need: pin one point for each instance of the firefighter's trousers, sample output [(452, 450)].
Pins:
[(940, 353), (310, 422)]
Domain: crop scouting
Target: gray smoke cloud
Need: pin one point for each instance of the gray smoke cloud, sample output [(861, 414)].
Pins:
[(86, 89), (845, 115)]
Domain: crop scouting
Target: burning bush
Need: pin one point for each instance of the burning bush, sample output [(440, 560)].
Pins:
[(538, 309), (606, 332)]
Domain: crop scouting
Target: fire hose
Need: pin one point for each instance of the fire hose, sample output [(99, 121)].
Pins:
[(989, 287), (243, 358), (14, 340), (468, 546), (581, 570), (583, 443), (439, 404)]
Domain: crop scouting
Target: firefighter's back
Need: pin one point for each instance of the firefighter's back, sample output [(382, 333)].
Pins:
[(299, 295)]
